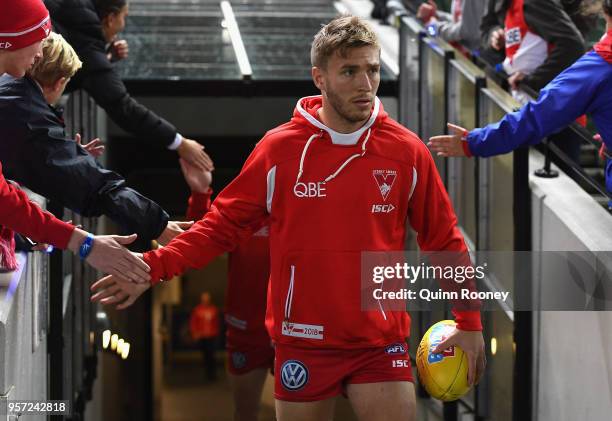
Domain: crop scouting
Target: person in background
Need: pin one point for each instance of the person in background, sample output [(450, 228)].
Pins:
[(38, 154), (91, 27), (204, 328), (23, 27), (537, 38), (249, 347), (459, 27), (583, 88)]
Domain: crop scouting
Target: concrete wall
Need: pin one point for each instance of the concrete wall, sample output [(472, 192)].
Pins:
[(572, 350), (23, 341)]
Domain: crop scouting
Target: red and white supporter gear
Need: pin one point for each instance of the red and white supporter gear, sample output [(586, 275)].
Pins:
[(327, 196), (525, 50)]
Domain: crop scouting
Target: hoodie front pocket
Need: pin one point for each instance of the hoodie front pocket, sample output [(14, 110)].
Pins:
[(298, 330), (320, 301)]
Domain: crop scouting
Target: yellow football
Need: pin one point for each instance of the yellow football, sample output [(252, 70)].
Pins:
[(445, 375)]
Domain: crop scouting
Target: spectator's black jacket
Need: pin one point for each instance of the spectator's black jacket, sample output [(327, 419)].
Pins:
[(548, 19), (35, 151), (78, 22)]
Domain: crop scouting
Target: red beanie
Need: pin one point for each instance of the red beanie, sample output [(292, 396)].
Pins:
[(22, 23)]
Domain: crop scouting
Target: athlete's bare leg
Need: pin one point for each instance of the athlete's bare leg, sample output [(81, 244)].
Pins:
[(305, 411), (385, 401), (247, 389)]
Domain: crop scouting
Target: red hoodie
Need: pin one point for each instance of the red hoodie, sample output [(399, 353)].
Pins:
[(319, 189)]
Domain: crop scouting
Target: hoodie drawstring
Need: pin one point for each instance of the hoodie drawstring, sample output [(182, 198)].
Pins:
[(301, 171), (357, 155), (331, 177)]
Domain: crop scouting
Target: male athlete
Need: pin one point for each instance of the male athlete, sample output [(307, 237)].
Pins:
[(318, 180)]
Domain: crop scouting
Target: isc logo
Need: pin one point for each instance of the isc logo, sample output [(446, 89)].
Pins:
[(309, 189), (382, 208)]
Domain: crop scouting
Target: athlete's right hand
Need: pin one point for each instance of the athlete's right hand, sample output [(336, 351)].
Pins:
[(115, 290)]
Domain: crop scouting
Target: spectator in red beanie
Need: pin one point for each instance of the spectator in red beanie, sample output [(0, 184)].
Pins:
[(23, 27)]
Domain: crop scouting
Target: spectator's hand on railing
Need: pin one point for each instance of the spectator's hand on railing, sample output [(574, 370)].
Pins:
[(427, 11), (108, 255), (192, 152), (119, 50), (198, 180), (451, 144), (95, 148), (472, 343), (173, 229), (515, 79), (497, 39), (114, 290)]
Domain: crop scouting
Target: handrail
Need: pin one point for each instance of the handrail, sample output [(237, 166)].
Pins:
[(521, 211), (236, 38)]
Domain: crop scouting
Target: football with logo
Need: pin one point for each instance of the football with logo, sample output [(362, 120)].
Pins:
[(444, 375)]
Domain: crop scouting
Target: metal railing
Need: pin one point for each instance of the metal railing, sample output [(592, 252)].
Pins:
[(439, 84), (71, 342)]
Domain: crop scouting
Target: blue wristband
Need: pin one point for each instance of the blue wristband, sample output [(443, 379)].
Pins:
[(86, 247), (432, 30)]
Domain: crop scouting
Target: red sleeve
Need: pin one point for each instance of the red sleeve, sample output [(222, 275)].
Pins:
[(198, 205), (432, 216), (25, 217), (466, 149), (239, 210)]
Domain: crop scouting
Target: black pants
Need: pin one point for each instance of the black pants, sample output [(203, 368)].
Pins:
[(208, 352)]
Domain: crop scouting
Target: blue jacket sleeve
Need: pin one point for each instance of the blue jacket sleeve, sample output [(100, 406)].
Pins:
[(564, 99)]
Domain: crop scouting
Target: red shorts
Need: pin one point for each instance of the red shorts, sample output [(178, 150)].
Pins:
[(308, 375), (243, 359)]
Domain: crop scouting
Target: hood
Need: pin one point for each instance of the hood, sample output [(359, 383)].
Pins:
[(604, 47), (305, 114)]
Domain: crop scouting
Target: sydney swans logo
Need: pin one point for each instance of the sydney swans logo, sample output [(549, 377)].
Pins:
[(384, 180)]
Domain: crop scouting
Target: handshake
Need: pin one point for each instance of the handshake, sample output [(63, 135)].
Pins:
[(128, 273)]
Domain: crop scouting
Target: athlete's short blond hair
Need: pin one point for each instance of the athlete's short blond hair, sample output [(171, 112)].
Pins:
[(58, 60), (339, 35)]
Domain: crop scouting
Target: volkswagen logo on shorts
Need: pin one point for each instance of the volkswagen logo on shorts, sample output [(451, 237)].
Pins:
[(294, 375)]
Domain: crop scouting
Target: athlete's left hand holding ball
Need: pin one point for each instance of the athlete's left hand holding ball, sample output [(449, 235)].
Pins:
[(472, 343)]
